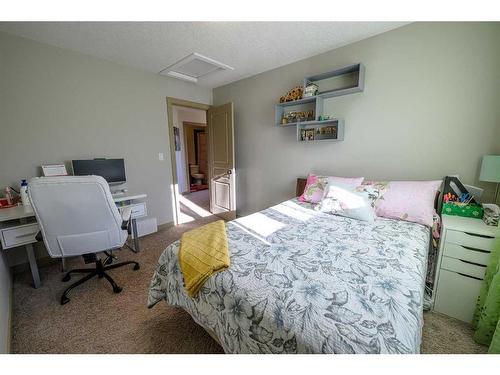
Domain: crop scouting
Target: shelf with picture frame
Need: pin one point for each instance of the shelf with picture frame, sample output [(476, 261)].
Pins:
[(327, 130), (308, 111)]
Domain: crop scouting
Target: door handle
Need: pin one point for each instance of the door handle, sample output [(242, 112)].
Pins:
[(228, 173)]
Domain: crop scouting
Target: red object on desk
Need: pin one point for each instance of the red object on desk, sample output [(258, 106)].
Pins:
[(4, 203)]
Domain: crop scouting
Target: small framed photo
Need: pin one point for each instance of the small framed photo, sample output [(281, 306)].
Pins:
[(177, 138), (310, 134), (303, 135)]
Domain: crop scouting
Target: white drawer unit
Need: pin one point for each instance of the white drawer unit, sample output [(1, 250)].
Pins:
[(469, 239), (138, 210), (464, 253), (18, 235), (463, 267), (457, 295)]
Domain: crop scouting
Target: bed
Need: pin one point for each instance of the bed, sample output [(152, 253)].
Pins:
[(302, 281)]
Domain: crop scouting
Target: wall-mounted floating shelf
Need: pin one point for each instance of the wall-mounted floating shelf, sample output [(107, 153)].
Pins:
[(338, 82), (327, 130)]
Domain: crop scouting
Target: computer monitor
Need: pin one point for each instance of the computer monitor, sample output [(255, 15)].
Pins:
[(112, 170)]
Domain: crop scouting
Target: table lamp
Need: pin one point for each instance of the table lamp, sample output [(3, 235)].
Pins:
[(490, 171)]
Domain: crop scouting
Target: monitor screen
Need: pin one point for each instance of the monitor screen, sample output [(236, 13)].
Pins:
[(113, 170)]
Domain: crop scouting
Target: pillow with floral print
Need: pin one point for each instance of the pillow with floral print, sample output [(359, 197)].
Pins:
[(375, 190), (315, 186), (348, 201), (409, 200)]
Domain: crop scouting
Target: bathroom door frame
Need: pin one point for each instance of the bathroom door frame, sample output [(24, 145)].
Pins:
[(193, 125), (174, 188)]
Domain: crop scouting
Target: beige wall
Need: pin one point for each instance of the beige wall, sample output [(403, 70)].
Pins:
[(57, 105), (430, 108)]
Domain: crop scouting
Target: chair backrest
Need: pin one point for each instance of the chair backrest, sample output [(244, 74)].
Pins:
[(76, 215)]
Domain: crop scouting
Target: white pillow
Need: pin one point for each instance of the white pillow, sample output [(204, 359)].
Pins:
[(344, 200)]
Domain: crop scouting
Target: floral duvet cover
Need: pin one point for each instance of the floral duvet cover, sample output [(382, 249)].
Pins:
[(302, 281)]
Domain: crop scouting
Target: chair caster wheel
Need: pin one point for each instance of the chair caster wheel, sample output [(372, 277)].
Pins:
[(64, 300), (66, 278), (117, 289), (137, 267)]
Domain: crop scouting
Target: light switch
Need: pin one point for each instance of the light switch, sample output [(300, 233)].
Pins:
[(161, 156)]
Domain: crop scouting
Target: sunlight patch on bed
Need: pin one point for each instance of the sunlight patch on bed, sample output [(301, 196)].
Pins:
[(253, 234), (294, 211), (260, 224), (347, 198)]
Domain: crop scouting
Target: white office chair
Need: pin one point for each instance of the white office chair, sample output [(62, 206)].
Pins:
[(77, 216)]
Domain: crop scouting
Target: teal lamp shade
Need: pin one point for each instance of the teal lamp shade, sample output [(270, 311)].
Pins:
[(490, 168)]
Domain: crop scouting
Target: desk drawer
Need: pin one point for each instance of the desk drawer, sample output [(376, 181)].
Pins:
[(19, 235), (463, 267), (466, 253), (456, 295), (138, 210), (469, 240)]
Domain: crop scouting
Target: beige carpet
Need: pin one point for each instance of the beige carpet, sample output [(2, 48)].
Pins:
[(98, 321)]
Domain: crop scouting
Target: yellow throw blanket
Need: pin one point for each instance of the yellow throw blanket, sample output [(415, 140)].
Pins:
[(203, 252)]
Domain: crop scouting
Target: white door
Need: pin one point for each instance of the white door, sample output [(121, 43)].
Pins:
[(220, 124)]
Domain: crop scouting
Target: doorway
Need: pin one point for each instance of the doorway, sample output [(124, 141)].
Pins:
[(191, 158), (202, 155)]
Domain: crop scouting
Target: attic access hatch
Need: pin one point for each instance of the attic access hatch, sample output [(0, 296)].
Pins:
[(194, 66)]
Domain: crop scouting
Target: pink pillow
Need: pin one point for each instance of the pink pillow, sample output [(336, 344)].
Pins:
[(409, 200), (315, 186)]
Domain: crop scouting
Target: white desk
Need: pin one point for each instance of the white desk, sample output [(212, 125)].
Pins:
[(18, 227)]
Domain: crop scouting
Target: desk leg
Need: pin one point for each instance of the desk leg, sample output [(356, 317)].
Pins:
[(135, 248), (34, 268), (136, 237)]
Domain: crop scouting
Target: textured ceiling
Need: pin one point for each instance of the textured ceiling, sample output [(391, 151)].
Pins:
[(249, 47)]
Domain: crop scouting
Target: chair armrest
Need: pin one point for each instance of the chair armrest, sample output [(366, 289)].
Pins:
[(126, 216)]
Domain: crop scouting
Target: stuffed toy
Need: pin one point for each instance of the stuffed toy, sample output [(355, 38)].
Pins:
[(293, 94)]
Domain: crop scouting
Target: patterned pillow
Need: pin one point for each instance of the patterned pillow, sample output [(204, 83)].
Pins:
[(348, 201), (375, 190), (408, 200), (315, 186)]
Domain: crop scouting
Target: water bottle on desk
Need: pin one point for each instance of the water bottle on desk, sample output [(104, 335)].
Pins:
[(25, 199)]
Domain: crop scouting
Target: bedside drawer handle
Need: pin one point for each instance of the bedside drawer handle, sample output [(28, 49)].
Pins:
[(475, 264), (478, 250), (478, 235), (471, 277)]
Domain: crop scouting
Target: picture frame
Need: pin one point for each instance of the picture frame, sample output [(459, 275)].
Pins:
[(310, 134), (177, 139), (303, 135)]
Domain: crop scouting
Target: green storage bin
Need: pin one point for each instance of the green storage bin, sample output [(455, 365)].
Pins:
[(470, 210)]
